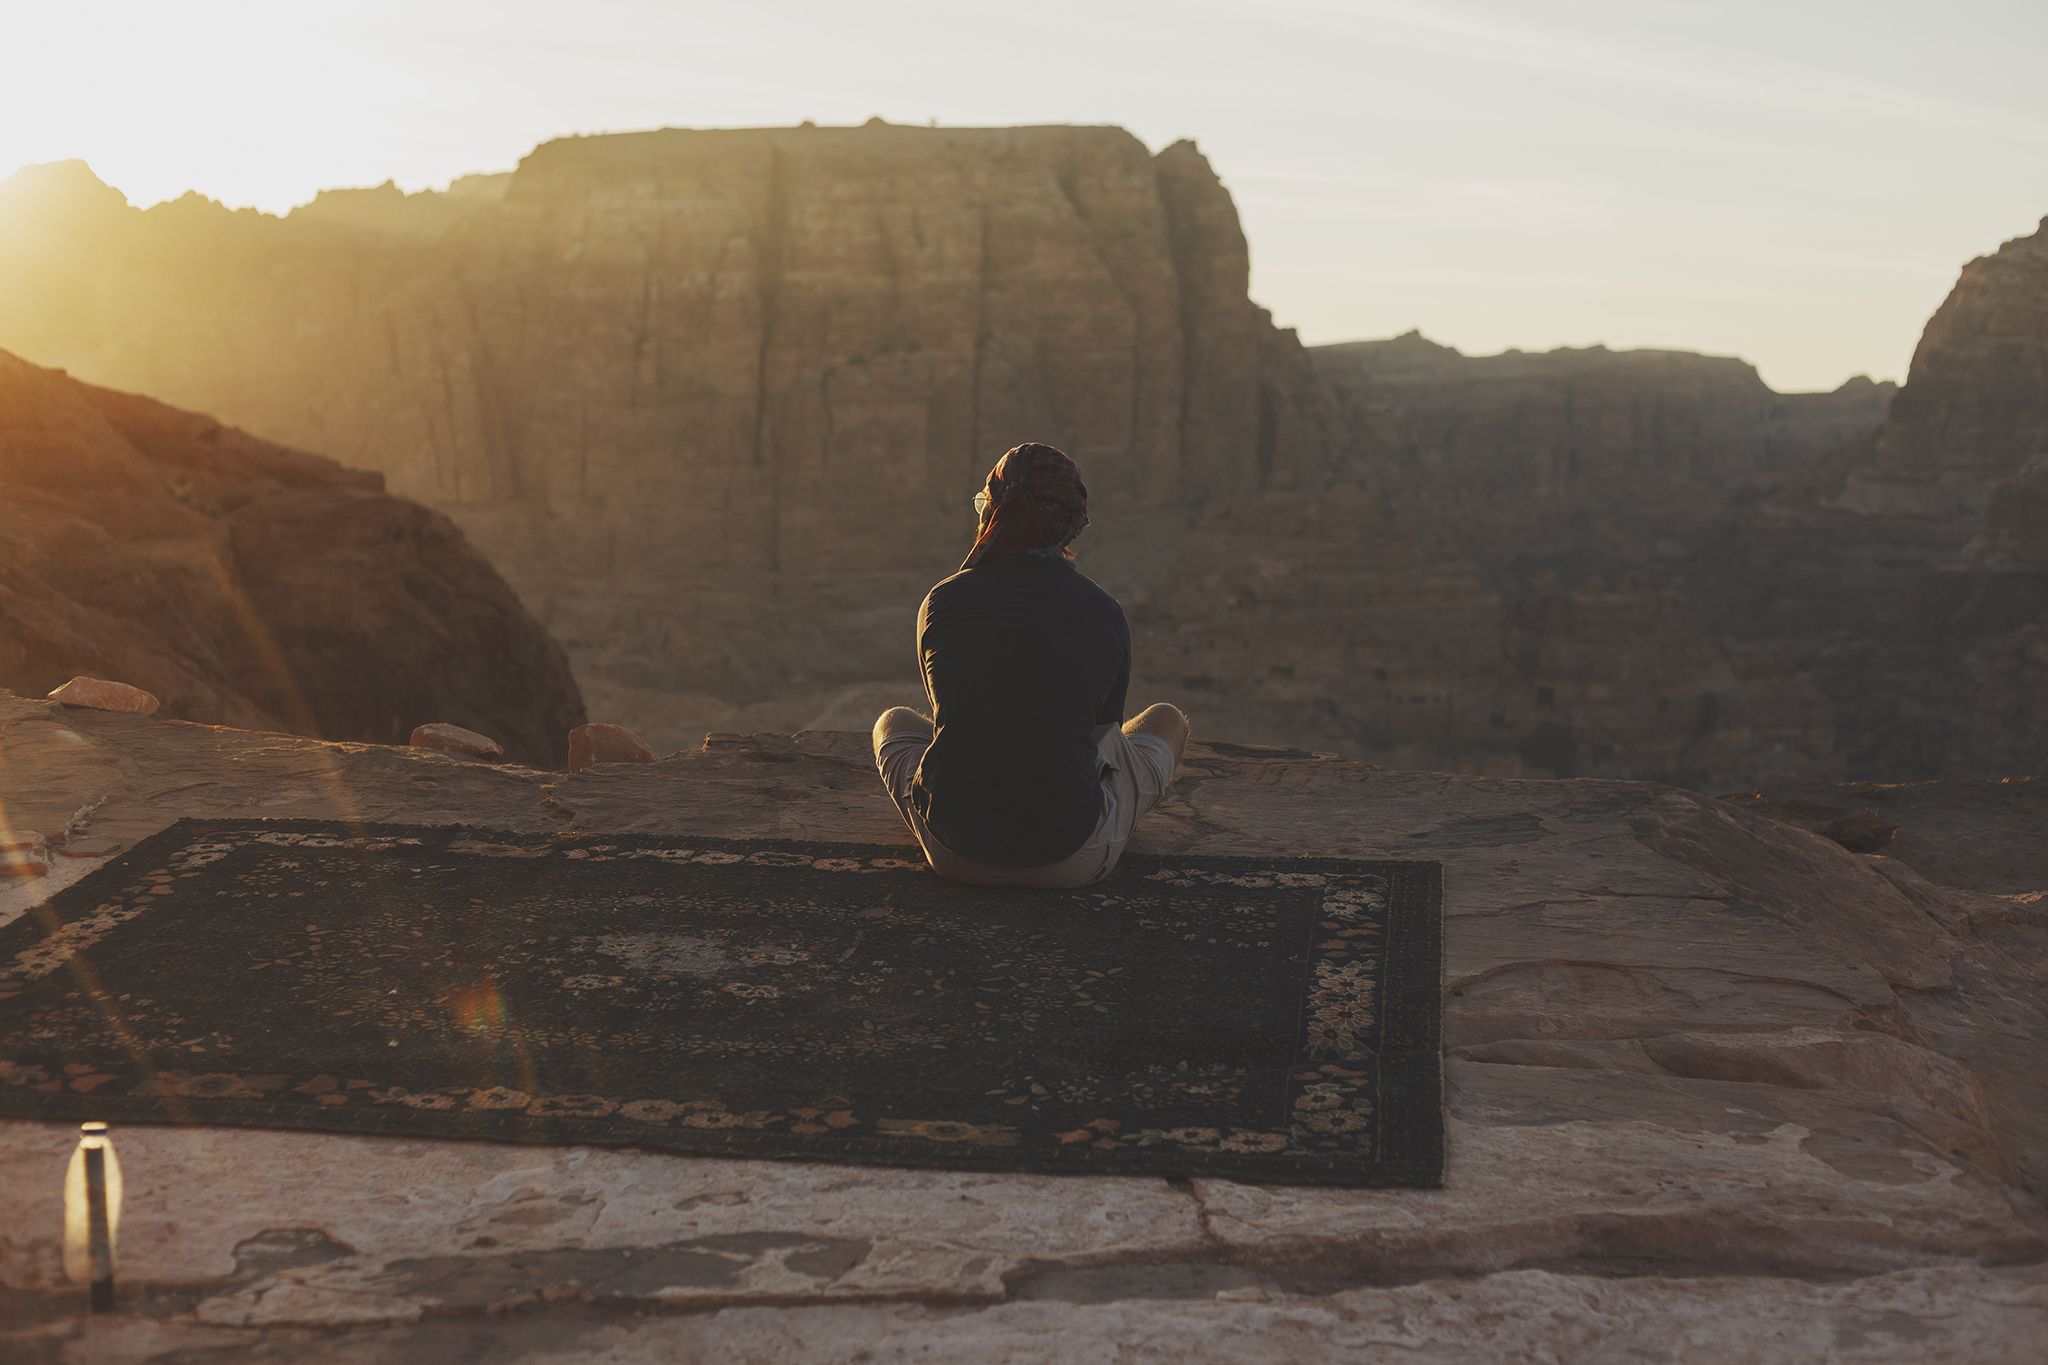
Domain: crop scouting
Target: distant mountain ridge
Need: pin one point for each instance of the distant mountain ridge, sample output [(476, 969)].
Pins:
[(1581, 450)]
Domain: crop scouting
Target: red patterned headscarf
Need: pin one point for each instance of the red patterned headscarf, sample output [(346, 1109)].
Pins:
[(1038, 505)]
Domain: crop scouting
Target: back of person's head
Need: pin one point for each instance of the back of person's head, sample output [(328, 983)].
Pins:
[(1036, 504)]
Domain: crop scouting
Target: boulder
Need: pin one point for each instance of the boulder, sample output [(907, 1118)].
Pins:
[(102, 695), (453, 739), (247, 584), (598, 742)]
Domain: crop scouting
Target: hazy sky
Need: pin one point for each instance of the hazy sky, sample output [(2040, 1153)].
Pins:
[(1792, 181)]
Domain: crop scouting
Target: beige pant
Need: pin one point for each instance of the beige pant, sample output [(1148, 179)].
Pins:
[(1135, 772)]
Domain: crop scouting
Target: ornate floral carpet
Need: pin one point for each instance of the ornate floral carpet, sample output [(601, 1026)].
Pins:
[(1260, 1019)]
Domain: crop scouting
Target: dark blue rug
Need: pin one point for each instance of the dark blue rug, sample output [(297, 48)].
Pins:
[(1267, 1019)]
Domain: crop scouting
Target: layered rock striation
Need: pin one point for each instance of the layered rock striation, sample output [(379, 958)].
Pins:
[(715, 402), (1504, 583), (1577, 459), (1327, 620), (1903, 571), (1974, 410), (1703, 581), (247, 584)]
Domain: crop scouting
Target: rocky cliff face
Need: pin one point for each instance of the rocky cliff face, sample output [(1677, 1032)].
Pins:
[(1903, 570), (1502, 586), (1716, 1089), (1703, 581), (1324, 619), (714, 401), (248, 584), (1577, 457), (1975, 407)]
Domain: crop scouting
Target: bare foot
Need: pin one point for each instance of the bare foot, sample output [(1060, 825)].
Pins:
[(1164, 721), (898, 720)]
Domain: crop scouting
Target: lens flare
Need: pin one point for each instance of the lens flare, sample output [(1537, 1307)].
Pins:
[(479, 1010)]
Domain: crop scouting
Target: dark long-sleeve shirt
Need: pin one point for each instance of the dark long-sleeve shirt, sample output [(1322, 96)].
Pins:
[(1023, 658)]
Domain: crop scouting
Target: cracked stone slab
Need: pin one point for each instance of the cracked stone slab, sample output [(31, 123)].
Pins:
[(432, 1226), (1752, 1191)]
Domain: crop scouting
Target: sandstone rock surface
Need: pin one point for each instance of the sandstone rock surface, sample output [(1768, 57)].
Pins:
[(1577, 457), (1860, 831), (247, 584), (1677, 573), (1329, 619), (453, 739), (1553, 515), (715, 402), (101, 695), (1717, 1089), (23, 853), (602, 743), (1904, 572), (1975, 407)]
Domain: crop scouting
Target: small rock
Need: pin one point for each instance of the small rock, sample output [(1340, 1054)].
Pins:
[(600, 743), (1860, 831), (453, 739), (24, 855), (102, 695), (90, 846)]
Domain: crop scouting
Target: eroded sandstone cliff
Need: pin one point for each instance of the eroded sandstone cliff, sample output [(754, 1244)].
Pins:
[(715, 402), (247, 584), (1328, 620), (1975, 406), (1577, 458), (1701, 580), (1502, 586), (1903, 571)]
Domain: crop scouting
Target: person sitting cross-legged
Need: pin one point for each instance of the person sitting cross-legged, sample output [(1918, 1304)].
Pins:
[(1026, 773)]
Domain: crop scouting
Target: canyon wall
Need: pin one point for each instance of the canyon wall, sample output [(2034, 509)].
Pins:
[(715, 402), (1701, 580), (250, 585), (1577, 456), (1905, 570), (1500, 586), (1975, 407)]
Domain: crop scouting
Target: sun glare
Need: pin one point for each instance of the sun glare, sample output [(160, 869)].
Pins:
[(254, 104), (1638, 177)]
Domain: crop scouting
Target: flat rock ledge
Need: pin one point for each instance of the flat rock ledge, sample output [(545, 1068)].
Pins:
[(1718, 1088)]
